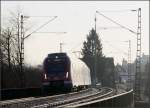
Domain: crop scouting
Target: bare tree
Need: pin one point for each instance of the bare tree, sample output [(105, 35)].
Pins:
[(7, 45), (11, 56), (15, 23), (11, 45), (8, 66)]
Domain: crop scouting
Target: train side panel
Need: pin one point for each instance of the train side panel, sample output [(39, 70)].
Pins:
[(80, 73)]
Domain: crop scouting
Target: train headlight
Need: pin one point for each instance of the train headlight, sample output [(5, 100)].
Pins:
[(67, 75), (45, 76)]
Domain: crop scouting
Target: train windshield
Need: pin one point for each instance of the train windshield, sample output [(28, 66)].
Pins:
[(55, 66)]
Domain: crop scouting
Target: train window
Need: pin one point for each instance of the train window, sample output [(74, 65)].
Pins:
[(56, 63), (55, 67)]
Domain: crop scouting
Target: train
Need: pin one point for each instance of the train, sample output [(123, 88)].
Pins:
[(65, 72)]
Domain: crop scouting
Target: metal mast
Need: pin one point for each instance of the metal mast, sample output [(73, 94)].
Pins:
[(22, 53), (61, 47), (129, 66), (138, 60), (95, 56)]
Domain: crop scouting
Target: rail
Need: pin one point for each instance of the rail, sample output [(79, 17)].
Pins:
[(32, 101), (100, 100), (66, 102), (74, 99), (103, 93)]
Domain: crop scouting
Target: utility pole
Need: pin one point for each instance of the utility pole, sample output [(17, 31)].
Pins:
[(22, 53), (61, 46), (138, 60), (129, 66), (95, 57)]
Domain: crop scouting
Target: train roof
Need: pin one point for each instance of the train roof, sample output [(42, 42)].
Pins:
[(72, 57), (55, 55)]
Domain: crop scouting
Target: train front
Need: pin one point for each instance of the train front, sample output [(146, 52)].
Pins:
[(57, 71)]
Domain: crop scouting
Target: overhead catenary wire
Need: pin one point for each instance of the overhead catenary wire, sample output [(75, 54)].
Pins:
[(40, 27), (76, 46), (122, 10), (116, 48), (36, 16), (52, 32), (110, 27), (109, 44), (119, 42), (115, 27), (116, 23), (138, 55)]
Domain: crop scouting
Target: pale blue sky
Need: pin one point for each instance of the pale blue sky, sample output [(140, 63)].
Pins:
[(77, 18)]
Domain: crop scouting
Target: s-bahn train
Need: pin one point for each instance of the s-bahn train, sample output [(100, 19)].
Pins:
[(64, 72)]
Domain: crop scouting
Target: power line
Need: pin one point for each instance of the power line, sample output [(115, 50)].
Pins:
[(110, 27), (76, 46), (40, 27), (123, 10), (115, 22), (115, 47), (52, 32), (37, 16)]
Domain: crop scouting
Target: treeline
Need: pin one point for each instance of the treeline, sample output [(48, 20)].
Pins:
[(13, 78), (14, 74), (102, 68), (11, 74)]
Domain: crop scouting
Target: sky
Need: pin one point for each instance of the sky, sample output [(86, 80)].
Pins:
[(76, 18)]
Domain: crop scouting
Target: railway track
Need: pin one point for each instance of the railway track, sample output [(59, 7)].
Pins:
[(71, 99), (42, 102), (75, 100), (59, 101), (105, 92)]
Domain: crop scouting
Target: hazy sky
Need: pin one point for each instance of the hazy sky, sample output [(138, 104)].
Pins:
[(77, 19)]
